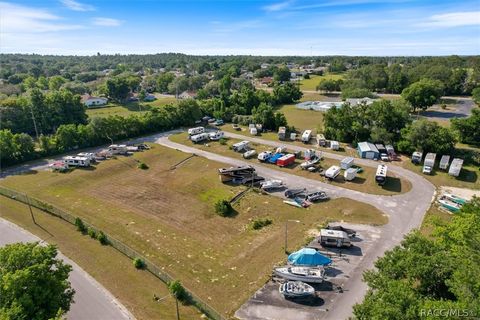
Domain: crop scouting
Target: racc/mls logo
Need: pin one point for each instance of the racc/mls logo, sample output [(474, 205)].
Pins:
[(446, 313)]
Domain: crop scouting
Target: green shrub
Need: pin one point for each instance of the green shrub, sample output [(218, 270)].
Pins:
[(222, 141), (223, 208), (80, 225), (102, 238), (92, 233), (142, 165), (138, 263), (259, 223), (177, 290)]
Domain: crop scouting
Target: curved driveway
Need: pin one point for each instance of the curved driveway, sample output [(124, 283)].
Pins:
[(405, 211), (91, 300)]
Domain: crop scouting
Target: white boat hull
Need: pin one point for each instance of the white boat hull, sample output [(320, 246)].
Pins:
[(315, 276), (296, 289)]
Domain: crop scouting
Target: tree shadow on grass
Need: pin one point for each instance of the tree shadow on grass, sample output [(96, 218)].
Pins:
[(393, 184)]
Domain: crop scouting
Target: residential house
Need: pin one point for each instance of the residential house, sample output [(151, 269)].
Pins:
[(90, 101)]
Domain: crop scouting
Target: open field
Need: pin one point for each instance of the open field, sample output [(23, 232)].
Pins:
[(168, 215), (311, 84), (128, 108), (302, 119), (109, 267), (364, 182)]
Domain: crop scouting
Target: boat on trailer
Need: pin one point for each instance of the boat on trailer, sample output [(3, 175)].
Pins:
[(296, 289), (449, 205), (305, 274), (455, 198)]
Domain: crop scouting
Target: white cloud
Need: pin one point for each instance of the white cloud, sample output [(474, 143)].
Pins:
[(107, 22), (278, 6), (453, 19), (77, 6), (21, 19)]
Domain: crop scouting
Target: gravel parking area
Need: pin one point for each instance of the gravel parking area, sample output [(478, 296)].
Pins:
[(268, 303)]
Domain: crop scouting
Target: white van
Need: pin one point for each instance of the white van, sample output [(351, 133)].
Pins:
[(240, 146), (216, 135), (199, 137), (196, 130)]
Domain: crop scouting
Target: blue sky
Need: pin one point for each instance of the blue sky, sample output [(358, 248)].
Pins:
[(290, 27)]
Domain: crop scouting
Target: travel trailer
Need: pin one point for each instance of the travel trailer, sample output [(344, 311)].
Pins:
[(335, 238), (332, 172), (76, 161), (381, 175), (240, 146), (217, 135), (428, 163), (118, 149), (194, 131), (306, 136), (199, 137)]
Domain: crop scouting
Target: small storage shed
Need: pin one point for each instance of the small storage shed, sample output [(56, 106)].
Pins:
[(444, 161), (367, 150), (346, 163)]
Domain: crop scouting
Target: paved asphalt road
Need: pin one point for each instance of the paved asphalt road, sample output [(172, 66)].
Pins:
[(405, 211), (92, 301)]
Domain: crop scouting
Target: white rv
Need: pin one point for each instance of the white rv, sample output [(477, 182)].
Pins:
[(334, 145), (444, 161), (381, 175), (346, 163), (199, 137), (332, 172), (455, 167), (321, 140), (89, 155), (253, 131), (350, 174), (264, 156), (306, 136), (196, 130), (217, 135), (76, 161), (336, 238), (117, 149), (429, 162), (240, 146)]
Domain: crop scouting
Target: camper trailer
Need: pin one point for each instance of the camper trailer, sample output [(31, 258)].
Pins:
[(89, 155), (350, 174), (428, 163), (332, 172), (217, 135), (264, 156), (455, 167), (76, 161), (334, 145), (199, 137), (381, 175), (306, 135), (194, 131), (117, 149), (346, 163), (253, 131), (321, 140), (240, 146), (282, 131), (335, 238), (293, 136), (444, 161), (417, 157)]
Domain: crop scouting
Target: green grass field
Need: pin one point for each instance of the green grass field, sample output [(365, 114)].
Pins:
[(128, 108), (302, 119), (108, 266), (168, 215), (311, 84), (365, 181)]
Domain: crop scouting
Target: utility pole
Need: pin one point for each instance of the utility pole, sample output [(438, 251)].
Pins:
[(30, 207), (176, 302)]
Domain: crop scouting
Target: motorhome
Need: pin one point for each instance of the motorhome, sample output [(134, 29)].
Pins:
[(428, 163), (199, 137), (194, 131), (332, 172), (417, 157), (76, 161), (217, 135), (381, 174), (335, 238), (282, 131), (306, 136), (117, 149), (240, 146), (321, 140)]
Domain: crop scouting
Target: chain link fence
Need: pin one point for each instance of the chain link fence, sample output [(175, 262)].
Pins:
[(115, 243)]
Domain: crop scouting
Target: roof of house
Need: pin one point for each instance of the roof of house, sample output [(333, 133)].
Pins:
[(87, 97), (367, 146)]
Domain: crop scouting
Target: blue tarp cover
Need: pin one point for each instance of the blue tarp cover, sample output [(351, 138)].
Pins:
[(308, 256)]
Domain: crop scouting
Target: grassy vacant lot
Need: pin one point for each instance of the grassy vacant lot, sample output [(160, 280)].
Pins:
[(109, 267), (311, 84), (168, 215), (128, 108), (364, 182), (302, 119)]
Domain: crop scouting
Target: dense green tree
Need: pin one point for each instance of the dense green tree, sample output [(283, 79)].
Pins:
[(286, 93), (476, 95), (397, 80), (468, 128), (117, 88), (329, 85), (281, 74), (427, 136), (423, 94), (55, 82), (163, 80), (33, 282), (265, 115)]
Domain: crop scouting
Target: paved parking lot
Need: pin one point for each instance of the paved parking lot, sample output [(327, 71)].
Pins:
[(268, 303)]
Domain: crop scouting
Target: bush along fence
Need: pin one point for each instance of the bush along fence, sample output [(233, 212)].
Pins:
[(117, 244)]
